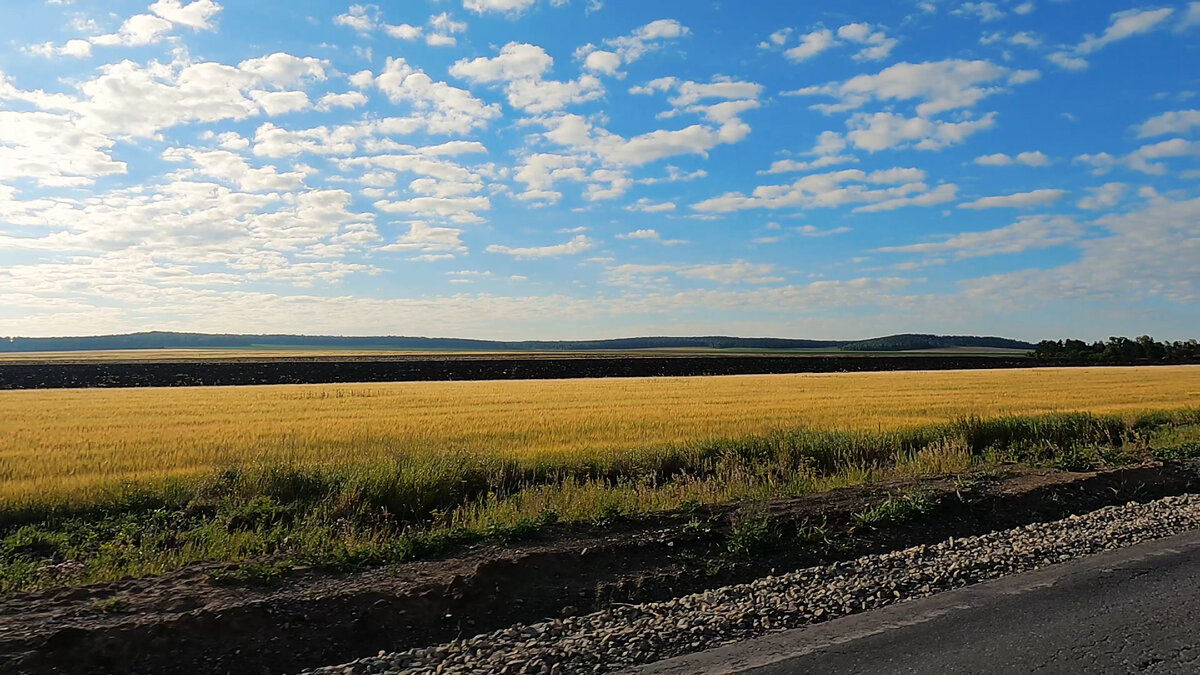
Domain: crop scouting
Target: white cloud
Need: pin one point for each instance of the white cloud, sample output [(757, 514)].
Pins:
[(76, 48), (351, 99), (442, 108), (578, 244), (1021, 39), (132, 100), (1144, 159), (810, 45), (1104, 197), (515, 61), (792, 165), (651, 235), (1149, 252), (362, 18), (233, 169), (520, 67), (776, 39), (647, 38), (814, 231), (873, 43), (367, 19), (1171, 122), (1122, 25), (736, 272), (946, 192), (511, 7), (403, 31), (882, 131), (674, 175), (629, 48), (984, 11), (601, 61), (581, 136), (1192, 18), (442, 29), (195, 15), (646, 205), (1036, 158), (53, 150), (426, 240), (1018, 199), (941, 85), (136, 31), (1028, 232), (884, 190)]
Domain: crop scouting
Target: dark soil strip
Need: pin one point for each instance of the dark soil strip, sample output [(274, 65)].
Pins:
[(53, 375), (187, 623)]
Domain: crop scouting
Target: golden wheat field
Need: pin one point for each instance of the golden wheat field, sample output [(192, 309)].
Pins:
[(64, 440)]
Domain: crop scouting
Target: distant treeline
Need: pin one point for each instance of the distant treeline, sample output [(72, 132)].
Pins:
[(1120, 350), (910, 342), (168, 340)]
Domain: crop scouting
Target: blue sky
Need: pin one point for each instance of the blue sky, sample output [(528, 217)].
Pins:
[(586, 168)]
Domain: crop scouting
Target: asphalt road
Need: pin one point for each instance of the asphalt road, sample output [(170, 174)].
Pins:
[(1136, 610)]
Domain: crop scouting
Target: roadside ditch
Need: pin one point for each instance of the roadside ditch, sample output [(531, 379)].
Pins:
[(209, 618)]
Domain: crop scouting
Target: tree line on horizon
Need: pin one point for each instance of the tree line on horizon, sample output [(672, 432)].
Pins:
[(1120, 350)]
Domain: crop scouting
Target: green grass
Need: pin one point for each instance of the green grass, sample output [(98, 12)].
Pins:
[(895, 510), (264, 519)]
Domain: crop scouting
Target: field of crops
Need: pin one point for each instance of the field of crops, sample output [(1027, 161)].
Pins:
[(69, 441), (118, 482)]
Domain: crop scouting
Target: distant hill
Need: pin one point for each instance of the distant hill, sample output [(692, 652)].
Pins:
[(168, 340), (911, 342)]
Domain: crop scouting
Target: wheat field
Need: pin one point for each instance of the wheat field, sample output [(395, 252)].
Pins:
[(63, 441)]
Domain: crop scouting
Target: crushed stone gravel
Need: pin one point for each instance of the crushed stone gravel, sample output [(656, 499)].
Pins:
[(630, 635)]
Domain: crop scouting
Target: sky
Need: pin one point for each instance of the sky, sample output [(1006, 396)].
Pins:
[(567, 169)]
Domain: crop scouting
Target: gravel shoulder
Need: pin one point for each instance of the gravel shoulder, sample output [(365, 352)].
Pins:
[(1134, 609), (626, 636)]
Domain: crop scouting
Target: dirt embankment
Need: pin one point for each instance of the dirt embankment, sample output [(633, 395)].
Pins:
[(294, 370), (188, 622)]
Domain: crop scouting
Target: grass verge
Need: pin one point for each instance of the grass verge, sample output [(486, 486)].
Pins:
[(266, 518)]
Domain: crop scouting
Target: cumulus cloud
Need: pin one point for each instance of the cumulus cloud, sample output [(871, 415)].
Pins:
[(652, 234), (629, 48), (428, 242), (647, 205), (76, 48), (1016, 200), (1146, 159), (520, 67), (984, 11), (444, 108), (736, 272), (196, 15), (439, 30), (872, 42), (1122, 25), (1027, 233), (1103, 197), (884, 190), (1170, 122), (511, 8), (578, 244), (1035, 158), (883, 131), (810, 45), (939, 85)]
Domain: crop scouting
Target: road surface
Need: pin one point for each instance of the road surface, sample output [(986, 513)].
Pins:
[(1135, 610)]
